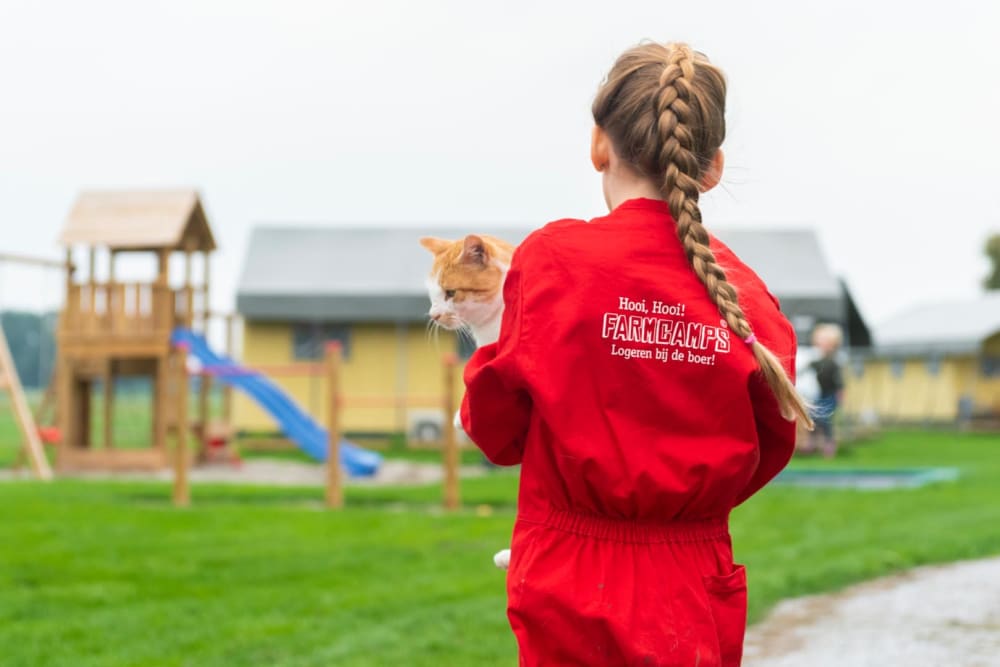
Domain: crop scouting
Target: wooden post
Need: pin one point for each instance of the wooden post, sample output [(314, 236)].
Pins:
[(85, 398), (182, 491), (92, 288), (227, 390), (109, 403), (188, 287), (161, 399), (204, 390), (70, 268), (205, 380), (452, 497), (162, 306), (334, 475), (115, 297), (163, 266), (115, 307), (63, 374), (206, 311)]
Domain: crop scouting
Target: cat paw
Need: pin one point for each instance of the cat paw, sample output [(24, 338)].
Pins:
[(457, 421), (502, 559)]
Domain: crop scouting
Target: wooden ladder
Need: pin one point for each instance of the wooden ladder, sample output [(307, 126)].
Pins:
[(11, 383)]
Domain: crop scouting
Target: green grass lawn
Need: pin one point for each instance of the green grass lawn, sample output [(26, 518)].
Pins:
[(109, 574)]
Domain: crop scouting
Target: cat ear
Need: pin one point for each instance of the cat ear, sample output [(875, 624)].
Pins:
[(474, 251), (435, 245)]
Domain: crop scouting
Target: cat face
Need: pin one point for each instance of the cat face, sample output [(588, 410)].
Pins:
[(466, 281)]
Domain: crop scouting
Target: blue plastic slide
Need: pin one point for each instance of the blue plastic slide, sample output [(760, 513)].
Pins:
[(294, 421)]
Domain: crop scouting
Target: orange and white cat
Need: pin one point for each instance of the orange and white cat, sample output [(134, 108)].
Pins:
[(466, 290), (466, 284)]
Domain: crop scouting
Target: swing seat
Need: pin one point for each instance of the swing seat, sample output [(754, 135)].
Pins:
[(50, 435)]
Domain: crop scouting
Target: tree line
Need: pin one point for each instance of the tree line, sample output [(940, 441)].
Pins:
[(31, 337), (992, 281)]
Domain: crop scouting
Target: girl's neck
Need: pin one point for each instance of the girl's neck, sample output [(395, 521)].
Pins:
[(618, 190)]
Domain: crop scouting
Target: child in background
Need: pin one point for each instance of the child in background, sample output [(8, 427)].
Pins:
[(827, 339), (642, 379)]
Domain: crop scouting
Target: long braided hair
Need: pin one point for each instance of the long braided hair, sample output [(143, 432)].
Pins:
[(663, 108)]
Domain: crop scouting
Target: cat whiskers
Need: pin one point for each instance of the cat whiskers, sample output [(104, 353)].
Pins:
[(434, 332), (465, 331)]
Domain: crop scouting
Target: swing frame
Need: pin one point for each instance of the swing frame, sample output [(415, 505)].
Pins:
[(10, 382)]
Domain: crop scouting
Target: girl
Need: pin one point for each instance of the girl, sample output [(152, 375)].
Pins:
[(642, 380)]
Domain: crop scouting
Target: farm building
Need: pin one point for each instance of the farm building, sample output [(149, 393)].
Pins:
[(933, 363), (365, 286), (362, 286)]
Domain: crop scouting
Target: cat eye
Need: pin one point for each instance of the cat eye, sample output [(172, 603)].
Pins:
[(449, 294)]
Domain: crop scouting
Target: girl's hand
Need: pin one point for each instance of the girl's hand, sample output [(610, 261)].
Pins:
[(502, 559)]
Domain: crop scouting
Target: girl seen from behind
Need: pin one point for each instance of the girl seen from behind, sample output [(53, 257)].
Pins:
[(642, 379)]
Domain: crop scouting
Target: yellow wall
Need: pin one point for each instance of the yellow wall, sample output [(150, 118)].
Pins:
[(389, 371), (985, 391), (386, 362), (988, 390), (916, 394)]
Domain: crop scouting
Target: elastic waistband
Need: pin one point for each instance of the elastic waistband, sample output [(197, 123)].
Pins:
[(635, 531)]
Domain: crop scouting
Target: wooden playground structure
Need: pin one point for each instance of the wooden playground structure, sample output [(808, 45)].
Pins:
[(109, 329)]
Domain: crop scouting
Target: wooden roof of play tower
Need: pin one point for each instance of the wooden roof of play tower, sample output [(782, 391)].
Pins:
[(139, 220)]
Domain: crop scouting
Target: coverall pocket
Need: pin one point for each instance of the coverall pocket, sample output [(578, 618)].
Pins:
[(522, 554), (727, 596)]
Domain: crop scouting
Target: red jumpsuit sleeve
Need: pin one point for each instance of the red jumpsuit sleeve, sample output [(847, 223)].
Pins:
[(775, 434), (496, 408)]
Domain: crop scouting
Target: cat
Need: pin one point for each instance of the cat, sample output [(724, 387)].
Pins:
[(466, 284), (466, 290)]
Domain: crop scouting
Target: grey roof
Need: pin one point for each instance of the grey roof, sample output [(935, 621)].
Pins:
[(372, 273), (792, 265), (789, 261), (343, 273), (954, 327)]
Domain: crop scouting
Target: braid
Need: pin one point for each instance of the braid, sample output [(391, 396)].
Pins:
[(682, 169), (680, 183)]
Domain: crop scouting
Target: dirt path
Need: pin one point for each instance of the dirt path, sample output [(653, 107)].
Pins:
[(392, 472), (927, 617)]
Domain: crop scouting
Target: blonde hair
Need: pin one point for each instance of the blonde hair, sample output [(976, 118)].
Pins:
[(828, 332), (663, 108)]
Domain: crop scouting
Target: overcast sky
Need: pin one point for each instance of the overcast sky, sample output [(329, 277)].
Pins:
[(877, 126)]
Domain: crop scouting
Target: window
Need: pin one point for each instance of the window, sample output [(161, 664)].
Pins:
[(991, 367), (858, 366), (310, 338), (934, 365), (896, 368)]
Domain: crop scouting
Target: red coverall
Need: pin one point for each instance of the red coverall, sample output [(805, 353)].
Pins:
[(639, 422)]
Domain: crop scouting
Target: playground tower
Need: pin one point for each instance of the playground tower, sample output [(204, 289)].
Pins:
[(111, 329)]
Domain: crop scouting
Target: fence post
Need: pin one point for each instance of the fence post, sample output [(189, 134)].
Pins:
[(227, 389), (334, 475), (452, 498), (182, 491)]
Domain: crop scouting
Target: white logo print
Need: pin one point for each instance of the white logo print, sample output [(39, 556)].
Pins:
[(663, 333)]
